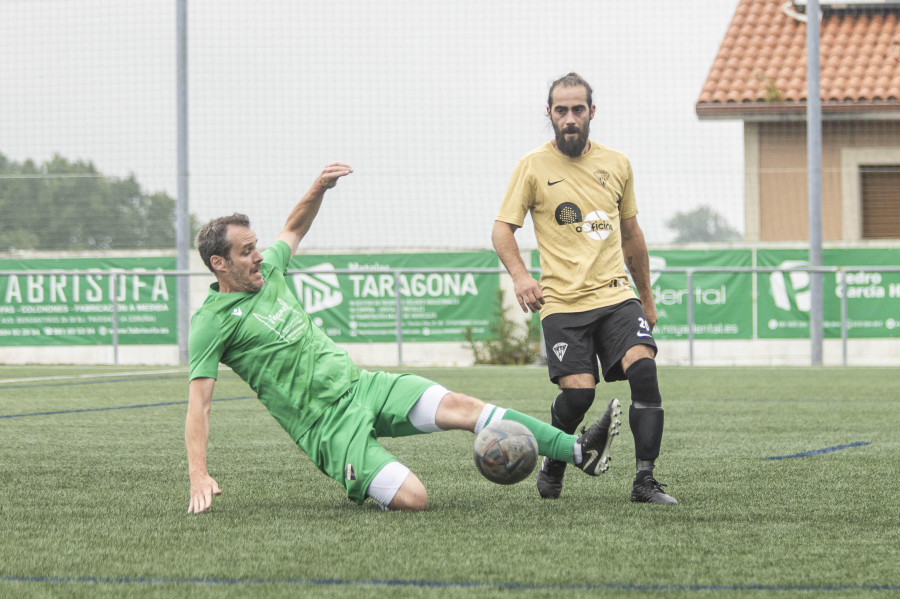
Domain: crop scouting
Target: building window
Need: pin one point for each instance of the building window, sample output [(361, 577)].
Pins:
[(880, 191)]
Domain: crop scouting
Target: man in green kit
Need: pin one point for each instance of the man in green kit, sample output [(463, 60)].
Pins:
[(333, 411)]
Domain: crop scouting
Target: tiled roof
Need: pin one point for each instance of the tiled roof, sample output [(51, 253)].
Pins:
[(761, 64)]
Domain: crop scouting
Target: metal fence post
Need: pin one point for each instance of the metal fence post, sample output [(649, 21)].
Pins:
[(843, 275), (399, 318), (690, 315), (115, 316)]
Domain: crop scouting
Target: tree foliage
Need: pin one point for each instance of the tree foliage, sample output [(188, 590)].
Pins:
[(702, 224), (64, 205)]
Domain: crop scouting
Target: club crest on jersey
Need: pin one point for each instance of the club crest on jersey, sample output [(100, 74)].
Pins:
[(560, 350), (602, 176), (349, 472)]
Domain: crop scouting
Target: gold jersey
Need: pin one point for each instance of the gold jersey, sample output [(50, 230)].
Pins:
[(576, 205)]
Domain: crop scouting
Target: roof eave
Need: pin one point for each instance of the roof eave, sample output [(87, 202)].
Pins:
[(796, 111)]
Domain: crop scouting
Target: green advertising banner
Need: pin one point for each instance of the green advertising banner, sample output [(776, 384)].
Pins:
[(65, 309), (873, 297), (361, 307), (723, 301), (723, 305)]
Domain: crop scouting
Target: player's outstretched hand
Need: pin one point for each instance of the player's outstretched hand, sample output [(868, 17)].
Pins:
[(333, 172), (529, 294), (202, 491)]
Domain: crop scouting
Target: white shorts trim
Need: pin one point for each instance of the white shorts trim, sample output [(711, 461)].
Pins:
[(387, 482), (424, 413)]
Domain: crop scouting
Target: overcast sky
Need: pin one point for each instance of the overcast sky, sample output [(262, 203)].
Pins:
[(432, 103)]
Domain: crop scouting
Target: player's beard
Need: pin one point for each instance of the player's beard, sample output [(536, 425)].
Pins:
[(572, 147), (243, 280)]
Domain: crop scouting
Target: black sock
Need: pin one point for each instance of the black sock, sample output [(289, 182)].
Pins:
[(647, 428)]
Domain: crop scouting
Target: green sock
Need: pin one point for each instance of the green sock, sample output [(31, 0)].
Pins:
[(551, 441)]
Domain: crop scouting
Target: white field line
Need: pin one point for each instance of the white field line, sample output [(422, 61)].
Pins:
[(89, 376)]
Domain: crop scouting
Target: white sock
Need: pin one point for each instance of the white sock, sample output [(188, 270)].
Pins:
[(576, 455), (489, 413)]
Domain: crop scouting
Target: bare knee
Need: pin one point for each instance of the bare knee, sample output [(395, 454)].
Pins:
[(635, 353), (577, 381), (411, 497), (461, 403), (458, 411)]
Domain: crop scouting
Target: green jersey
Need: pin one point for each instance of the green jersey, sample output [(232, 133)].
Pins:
[(271, 343)]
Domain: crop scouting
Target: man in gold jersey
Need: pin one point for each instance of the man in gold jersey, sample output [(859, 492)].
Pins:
[(581, 198)]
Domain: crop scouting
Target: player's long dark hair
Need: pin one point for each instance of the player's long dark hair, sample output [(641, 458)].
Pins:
[(571, 80)]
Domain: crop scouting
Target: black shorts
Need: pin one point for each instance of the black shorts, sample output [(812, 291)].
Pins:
[(576, 341)]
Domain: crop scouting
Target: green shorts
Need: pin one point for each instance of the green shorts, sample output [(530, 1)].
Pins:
[(343, 441)]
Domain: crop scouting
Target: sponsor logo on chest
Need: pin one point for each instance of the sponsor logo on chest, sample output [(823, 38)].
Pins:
[(596, 225), (285, 322)]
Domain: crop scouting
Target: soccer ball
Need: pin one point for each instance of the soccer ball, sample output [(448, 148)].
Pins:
[(505, 452)]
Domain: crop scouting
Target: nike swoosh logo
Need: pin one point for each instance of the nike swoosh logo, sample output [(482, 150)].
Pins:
[(639, 334), (552, 183)]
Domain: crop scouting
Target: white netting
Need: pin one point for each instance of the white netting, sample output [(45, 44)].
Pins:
[(431, 103)]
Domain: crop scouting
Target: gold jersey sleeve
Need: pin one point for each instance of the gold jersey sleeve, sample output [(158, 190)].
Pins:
[(577, 205)]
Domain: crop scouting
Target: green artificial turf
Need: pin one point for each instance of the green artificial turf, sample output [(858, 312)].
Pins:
[(94, 493)]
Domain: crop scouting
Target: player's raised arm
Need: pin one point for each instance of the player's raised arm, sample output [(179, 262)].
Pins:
[(301, 217), (528, 291), (196, 436)]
